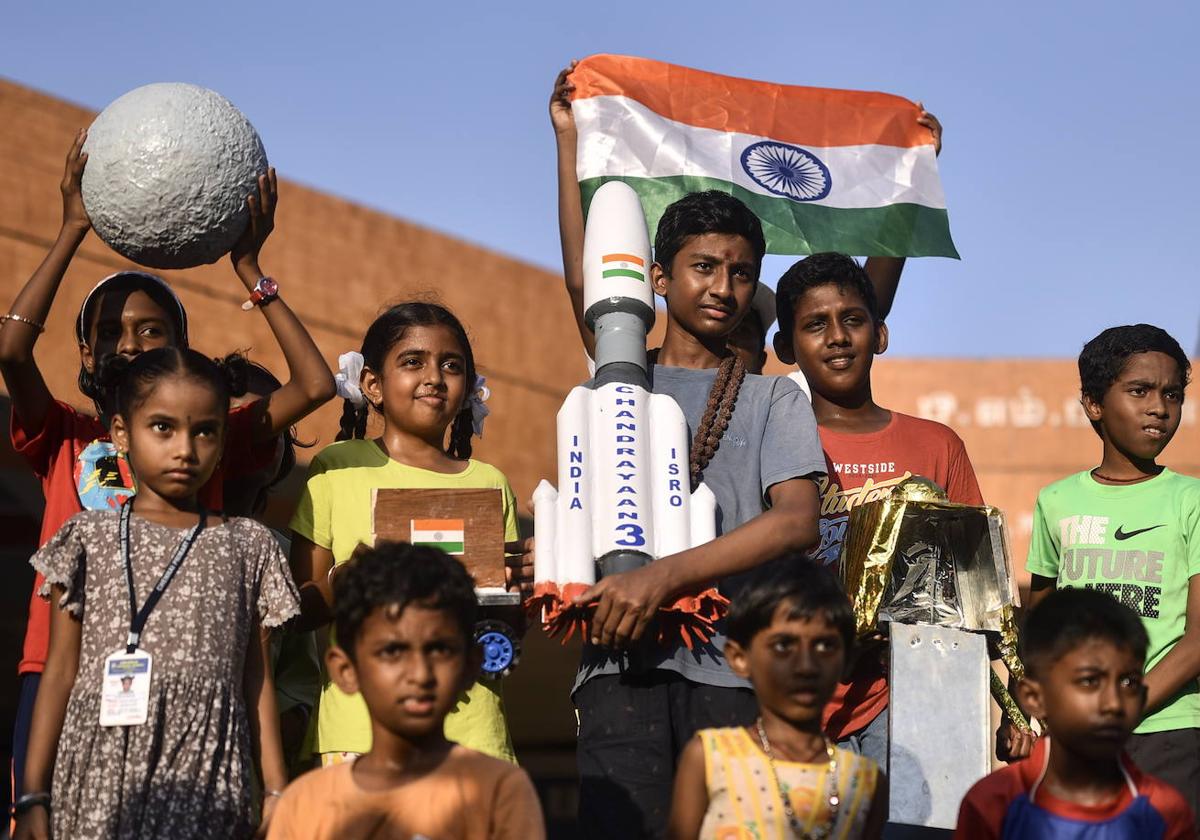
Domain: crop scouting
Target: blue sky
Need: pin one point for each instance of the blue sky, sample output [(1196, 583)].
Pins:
[(1069, 168)]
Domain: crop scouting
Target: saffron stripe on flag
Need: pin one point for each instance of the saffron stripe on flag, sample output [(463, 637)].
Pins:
[(438, 524), (788, 113), (629, 258)]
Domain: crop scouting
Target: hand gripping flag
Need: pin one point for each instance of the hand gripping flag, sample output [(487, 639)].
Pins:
[(825, 170)]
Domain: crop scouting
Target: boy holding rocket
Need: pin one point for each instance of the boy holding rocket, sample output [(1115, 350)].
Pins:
[(640, 700)]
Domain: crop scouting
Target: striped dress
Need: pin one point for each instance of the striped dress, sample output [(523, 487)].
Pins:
[(743, 799)]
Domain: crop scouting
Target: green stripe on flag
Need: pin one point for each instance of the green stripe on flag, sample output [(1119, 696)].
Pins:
[(448, 547), (795, 227), (623, 272)]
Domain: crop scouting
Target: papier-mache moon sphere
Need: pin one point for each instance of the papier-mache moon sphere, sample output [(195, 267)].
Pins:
[(168, 171)]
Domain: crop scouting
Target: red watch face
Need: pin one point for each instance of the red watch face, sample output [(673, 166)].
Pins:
[(267, 287)]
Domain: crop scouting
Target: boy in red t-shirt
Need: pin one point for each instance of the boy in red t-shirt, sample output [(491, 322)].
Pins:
[(829, 325), (1084, 654)]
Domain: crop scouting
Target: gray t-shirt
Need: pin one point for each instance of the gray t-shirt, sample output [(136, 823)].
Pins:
[(772, 437)]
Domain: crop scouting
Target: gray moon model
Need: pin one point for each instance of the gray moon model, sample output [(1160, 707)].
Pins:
[(168, 171)]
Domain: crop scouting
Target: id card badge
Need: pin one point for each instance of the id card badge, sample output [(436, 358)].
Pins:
[(125, 695)]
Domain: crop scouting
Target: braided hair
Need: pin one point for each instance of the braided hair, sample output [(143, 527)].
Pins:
[(722, 398), (124, 383), (381, 337)]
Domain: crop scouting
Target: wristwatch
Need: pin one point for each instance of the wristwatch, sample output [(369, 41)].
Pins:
[(264, 291)]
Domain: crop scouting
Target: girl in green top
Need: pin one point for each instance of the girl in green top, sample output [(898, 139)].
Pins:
[(417, 372)]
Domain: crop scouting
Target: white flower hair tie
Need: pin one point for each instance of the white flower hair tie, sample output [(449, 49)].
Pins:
[(350, 368), (479, 395)]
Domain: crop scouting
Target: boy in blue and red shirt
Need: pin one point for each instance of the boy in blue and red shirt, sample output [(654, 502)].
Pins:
[(1085, 656)]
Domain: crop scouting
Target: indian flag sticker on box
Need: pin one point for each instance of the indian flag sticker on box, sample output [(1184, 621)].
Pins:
[(623, 265), (446, 534)]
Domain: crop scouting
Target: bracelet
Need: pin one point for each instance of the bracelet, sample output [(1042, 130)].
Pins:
[(30, 801), (267, 793), (22, 319)]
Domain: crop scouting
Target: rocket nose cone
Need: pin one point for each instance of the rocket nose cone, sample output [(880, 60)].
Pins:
[(616, 196), (616, 249), (616, 223)]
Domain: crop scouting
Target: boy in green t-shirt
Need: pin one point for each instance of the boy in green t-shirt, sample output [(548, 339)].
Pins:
[(1131, 528)]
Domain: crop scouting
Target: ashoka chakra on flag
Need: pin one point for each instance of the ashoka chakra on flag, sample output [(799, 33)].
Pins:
[(786, 170), (825, 170)]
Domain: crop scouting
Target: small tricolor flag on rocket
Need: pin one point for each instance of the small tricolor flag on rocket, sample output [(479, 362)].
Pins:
[(446, 534), (623, 265)]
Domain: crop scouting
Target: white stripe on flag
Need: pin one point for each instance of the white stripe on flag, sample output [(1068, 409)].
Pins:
[(620, 136), (436, 536)]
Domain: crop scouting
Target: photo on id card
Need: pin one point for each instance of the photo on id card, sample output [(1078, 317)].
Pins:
[(125, 695)]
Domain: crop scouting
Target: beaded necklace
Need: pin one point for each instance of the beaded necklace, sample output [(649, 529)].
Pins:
[(821, 832)]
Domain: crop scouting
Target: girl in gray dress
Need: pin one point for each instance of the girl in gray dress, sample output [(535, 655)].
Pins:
[(181, 599)]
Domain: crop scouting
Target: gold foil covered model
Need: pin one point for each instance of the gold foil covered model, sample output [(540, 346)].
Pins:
[(914, 557)]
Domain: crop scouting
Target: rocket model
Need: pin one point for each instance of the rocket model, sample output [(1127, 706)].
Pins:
[(624, 496)]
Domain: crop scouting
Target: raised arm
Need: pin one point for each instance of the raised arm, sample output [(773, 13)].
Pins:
[(885, 271), (570, 205), (49, 712), (311, 384), (26, 317)]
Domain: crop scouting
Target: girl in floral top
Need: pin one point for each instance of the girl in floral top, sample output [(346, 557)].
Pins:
[(156, 701)]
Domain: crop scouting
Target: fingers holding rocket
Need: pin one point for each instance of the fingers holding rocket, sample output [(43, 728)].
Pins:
[(625, 605)]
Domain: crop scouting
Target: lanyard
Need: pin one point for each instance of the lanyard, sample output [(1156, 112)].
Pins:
[(137, 618)]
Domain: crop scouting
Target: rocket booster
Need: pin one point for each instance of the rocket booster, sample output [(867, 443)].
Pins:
[(624, 495)]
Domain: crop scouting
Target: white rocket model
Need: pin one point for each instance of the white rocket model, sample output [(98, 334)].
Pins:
[(623, 496)]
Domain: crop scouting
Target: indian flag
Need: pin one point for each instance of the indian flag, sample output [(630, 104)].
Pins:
[(623, 265), (825, 170), (446, 534)]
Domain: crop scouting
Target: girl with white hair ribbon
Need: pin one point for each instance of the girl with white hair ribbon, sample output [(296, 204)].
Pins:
[(416, 373)]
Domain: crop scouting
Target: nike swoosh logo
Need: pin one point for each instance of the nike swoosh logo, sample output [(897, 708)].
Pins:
[(1124, 535)]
